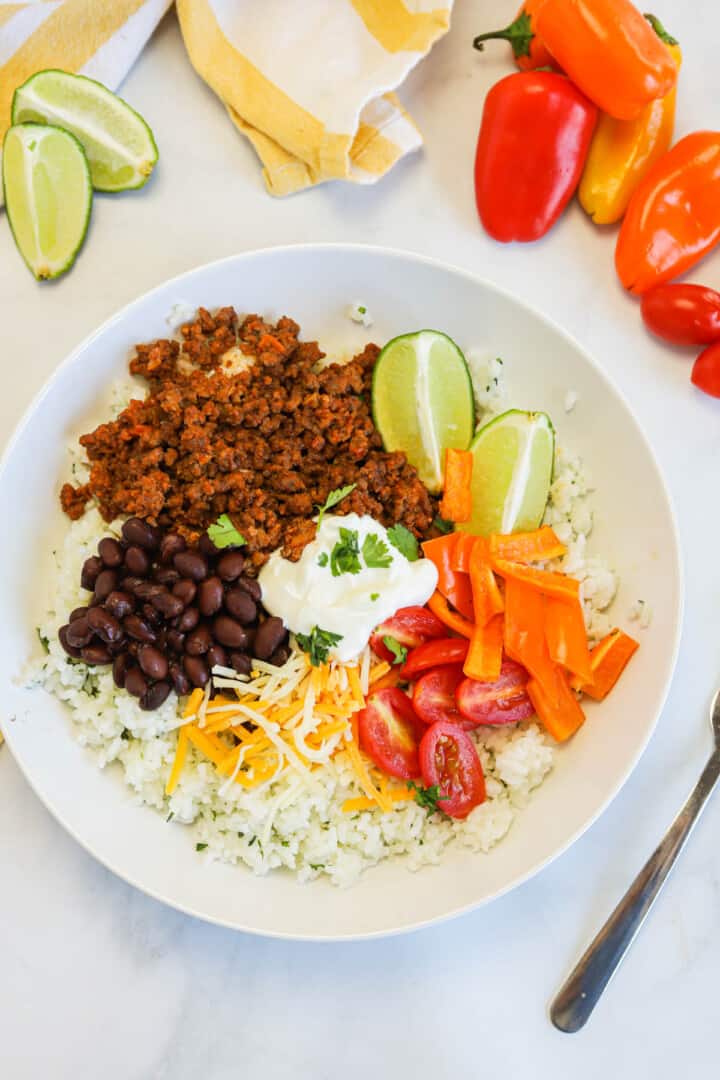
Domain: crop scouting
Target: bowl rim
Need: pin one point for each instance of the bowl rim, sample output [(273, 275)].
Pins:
[(399, 254)]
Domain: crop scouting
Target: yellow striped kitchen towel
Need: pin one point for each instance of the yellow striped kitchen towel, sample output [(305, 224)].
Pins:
[(310, 83)]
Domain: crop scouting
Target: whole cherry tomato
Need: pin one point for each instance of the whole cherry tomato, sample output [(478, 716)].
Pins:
[(682, 314), (706, 370)]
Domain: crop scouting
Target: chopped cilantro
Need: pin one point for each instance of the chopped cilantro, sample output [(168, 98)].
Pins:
[(374, 596), (43, 640), (317, 643), (428, 797), (200, 847), (402, 539), (399, 651), (345, 556), (126, 734), (170, 816), (442, 525), (323, 558), (333, 499), (362, 309), (317, 866), (376, 552), (224, 534)]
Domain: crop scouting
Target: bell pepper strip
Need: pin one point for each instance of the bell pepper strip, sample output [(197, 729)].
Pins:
[(608, 660), (453, 584), (528, 48), (487, 598), (566, 636), (544, 581), (452, 619), (557, 708), (456, 502), (525, 547), (673, 218), (534, 137), (609, 51), (622, 151), (484, 657), (461, 552), (434, 654)]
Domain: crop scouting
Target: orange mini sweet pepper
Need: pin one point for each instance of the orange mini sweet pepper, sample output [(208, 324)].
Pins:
[(528, 48)]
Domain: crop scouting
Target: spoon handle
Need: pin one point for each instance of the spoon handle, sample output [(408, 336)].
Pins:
[(584, 986)]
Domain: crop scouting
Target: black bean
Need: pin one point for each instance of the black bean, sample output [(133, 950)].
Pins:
[(79, 632), (207, 546), (198, 641), (185, 589), (210, 596), (130, 583), (269, 636), (196, 670), (137, 531), (155, 696), (191, 564), (251, 587), (135, 682), (170, 545), (96, 654), (170, 606), (121, 666), (241, 662), (181, 683), (280, 656), (105, 625), (137, 560), (120, 603), (77, 613), (216, 656), (139, 629), (105, 583), (147, 589), (241, 606), (230, 565), (71, 650), (175, 641), (90, 570), (152, 661), (229, 632), (165, 575), (110, 551), (152, 616), (188, 620)]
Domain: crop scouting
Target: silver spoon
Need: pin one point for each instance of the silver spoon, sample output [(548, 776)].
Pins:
[(584, 986)]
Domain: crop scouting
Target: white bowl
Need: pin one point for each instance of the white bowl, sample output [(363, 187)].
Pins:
[(634, 529)]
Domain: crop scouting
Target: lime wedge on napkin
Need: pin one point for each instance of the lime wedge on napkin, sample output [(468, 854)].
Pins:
[(119, 144), (422, 401), (512, 471), (48, 195)]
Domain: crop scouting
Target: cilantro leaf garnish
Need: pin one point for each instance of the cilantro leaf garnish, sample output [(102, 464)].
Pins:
[(442, 525), (399, 651), (200, 847), (402, 539), (376, 552), (224, 534), (374, 596), (333, 499), (428, 797), (323, 558), (317, 643), (345, 556)]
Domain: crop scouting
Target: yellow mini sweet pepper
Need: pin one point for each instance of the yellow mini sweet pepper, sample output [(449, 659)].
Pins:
[(622, 151)]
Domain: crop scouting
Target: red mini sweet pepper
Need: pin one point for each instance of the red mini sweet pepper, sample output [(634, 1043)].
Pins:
[(534, 137)]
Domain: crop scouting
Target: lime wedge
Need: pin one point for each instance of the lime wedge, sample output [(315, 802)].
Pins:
[(48, 195), (422, 401), (119, 144), (512, 471)]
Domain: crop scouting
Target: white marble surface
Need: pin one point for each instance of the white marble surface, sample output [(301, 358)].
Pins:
[(97, 980)]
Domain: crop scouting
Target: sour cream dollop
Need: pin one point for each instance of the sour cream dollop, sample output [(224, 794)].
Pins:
[(306, 593)]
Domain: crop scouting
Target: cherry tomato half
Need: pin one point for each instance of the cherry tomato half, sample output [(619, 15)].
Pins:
[(434, 695), (706, 370), (502, 702), (411, 626), (682, 314), (449, 759), (390, 733), (434, 653)]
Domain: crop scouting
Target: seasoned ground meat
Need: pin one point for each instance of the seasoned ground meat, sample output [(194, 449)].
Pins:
[(265, 444)]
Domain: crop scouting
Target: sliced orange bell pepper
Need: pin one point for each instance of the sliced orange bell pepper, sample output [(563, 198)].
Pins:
[(525, 547), (487, 598), (456, 503), (453, 584), (543, 581), (484, 658), (440, 607), (558, 709), (460, 558), (608, 660), (566, 636)]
